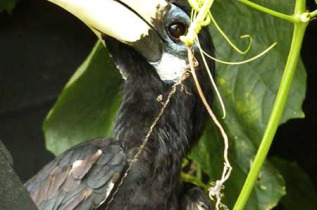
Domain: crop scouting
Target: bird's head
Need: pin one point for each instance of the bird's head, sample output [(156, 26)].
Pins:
[(143, 37), (150, 28)]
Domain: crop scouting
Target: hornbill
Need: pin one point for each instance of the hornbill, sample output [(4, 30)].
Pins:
[(143, 38)]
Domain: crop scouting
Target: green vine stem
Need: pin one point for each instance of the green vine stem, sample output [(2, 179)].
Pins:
[(191, 179), (302, 20), (313, 14), (269, 11)]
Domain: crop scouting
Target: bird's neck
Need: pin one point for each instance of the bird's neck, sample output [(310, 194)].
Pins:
[(175, 131), (159, 165)]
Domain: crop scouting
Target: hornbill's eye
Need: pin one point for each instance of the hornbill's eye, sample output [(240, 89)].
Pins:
[(176, 30)]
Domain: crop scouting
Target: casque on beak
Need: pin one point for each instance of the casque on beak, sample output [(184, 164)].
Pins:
[(129, 21)]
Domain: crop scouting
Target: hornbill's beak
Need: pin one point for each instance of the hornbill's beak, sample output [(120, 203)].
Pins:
[(129, 21)]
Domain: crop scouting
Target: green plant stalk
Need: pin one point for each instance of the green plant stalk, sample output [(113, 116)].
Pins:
[(199, 174), (278, 108), (269, 11), (191, 179), (313, 13)]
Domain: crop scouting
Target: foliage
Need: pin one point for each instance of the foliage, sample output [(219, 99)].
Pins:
[(300, 191), (249, 92), (7, 5), (87, 105), (89, 101)]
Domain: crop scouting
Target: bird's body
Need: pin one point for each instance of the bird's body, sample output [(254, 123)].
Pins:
[(103, 174)]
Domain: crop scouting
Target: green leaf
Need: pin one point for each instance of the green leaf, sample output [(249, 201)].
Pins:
[(7, 5), (299, 188), (87, 105), (249, 92), (208, 154)]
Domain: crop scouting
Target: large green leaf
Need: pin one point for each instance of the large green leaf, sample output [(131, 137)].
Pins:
[(7, 5), (248, 92), (87, 105), (299, 188)]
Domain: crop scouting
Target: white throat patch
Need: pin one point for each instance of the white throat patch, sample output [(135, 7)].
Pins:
[(170, 67)]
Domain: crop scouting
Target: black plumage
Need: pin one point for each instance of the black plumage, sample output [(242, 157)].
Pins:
[(88, 176)]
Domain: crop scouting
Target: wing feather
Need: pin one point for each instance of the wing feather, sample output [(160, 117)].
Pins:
[(80, 178)]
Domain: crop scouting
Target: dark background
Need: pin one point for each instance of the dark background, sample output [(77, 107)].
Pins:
[(41, 46)]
